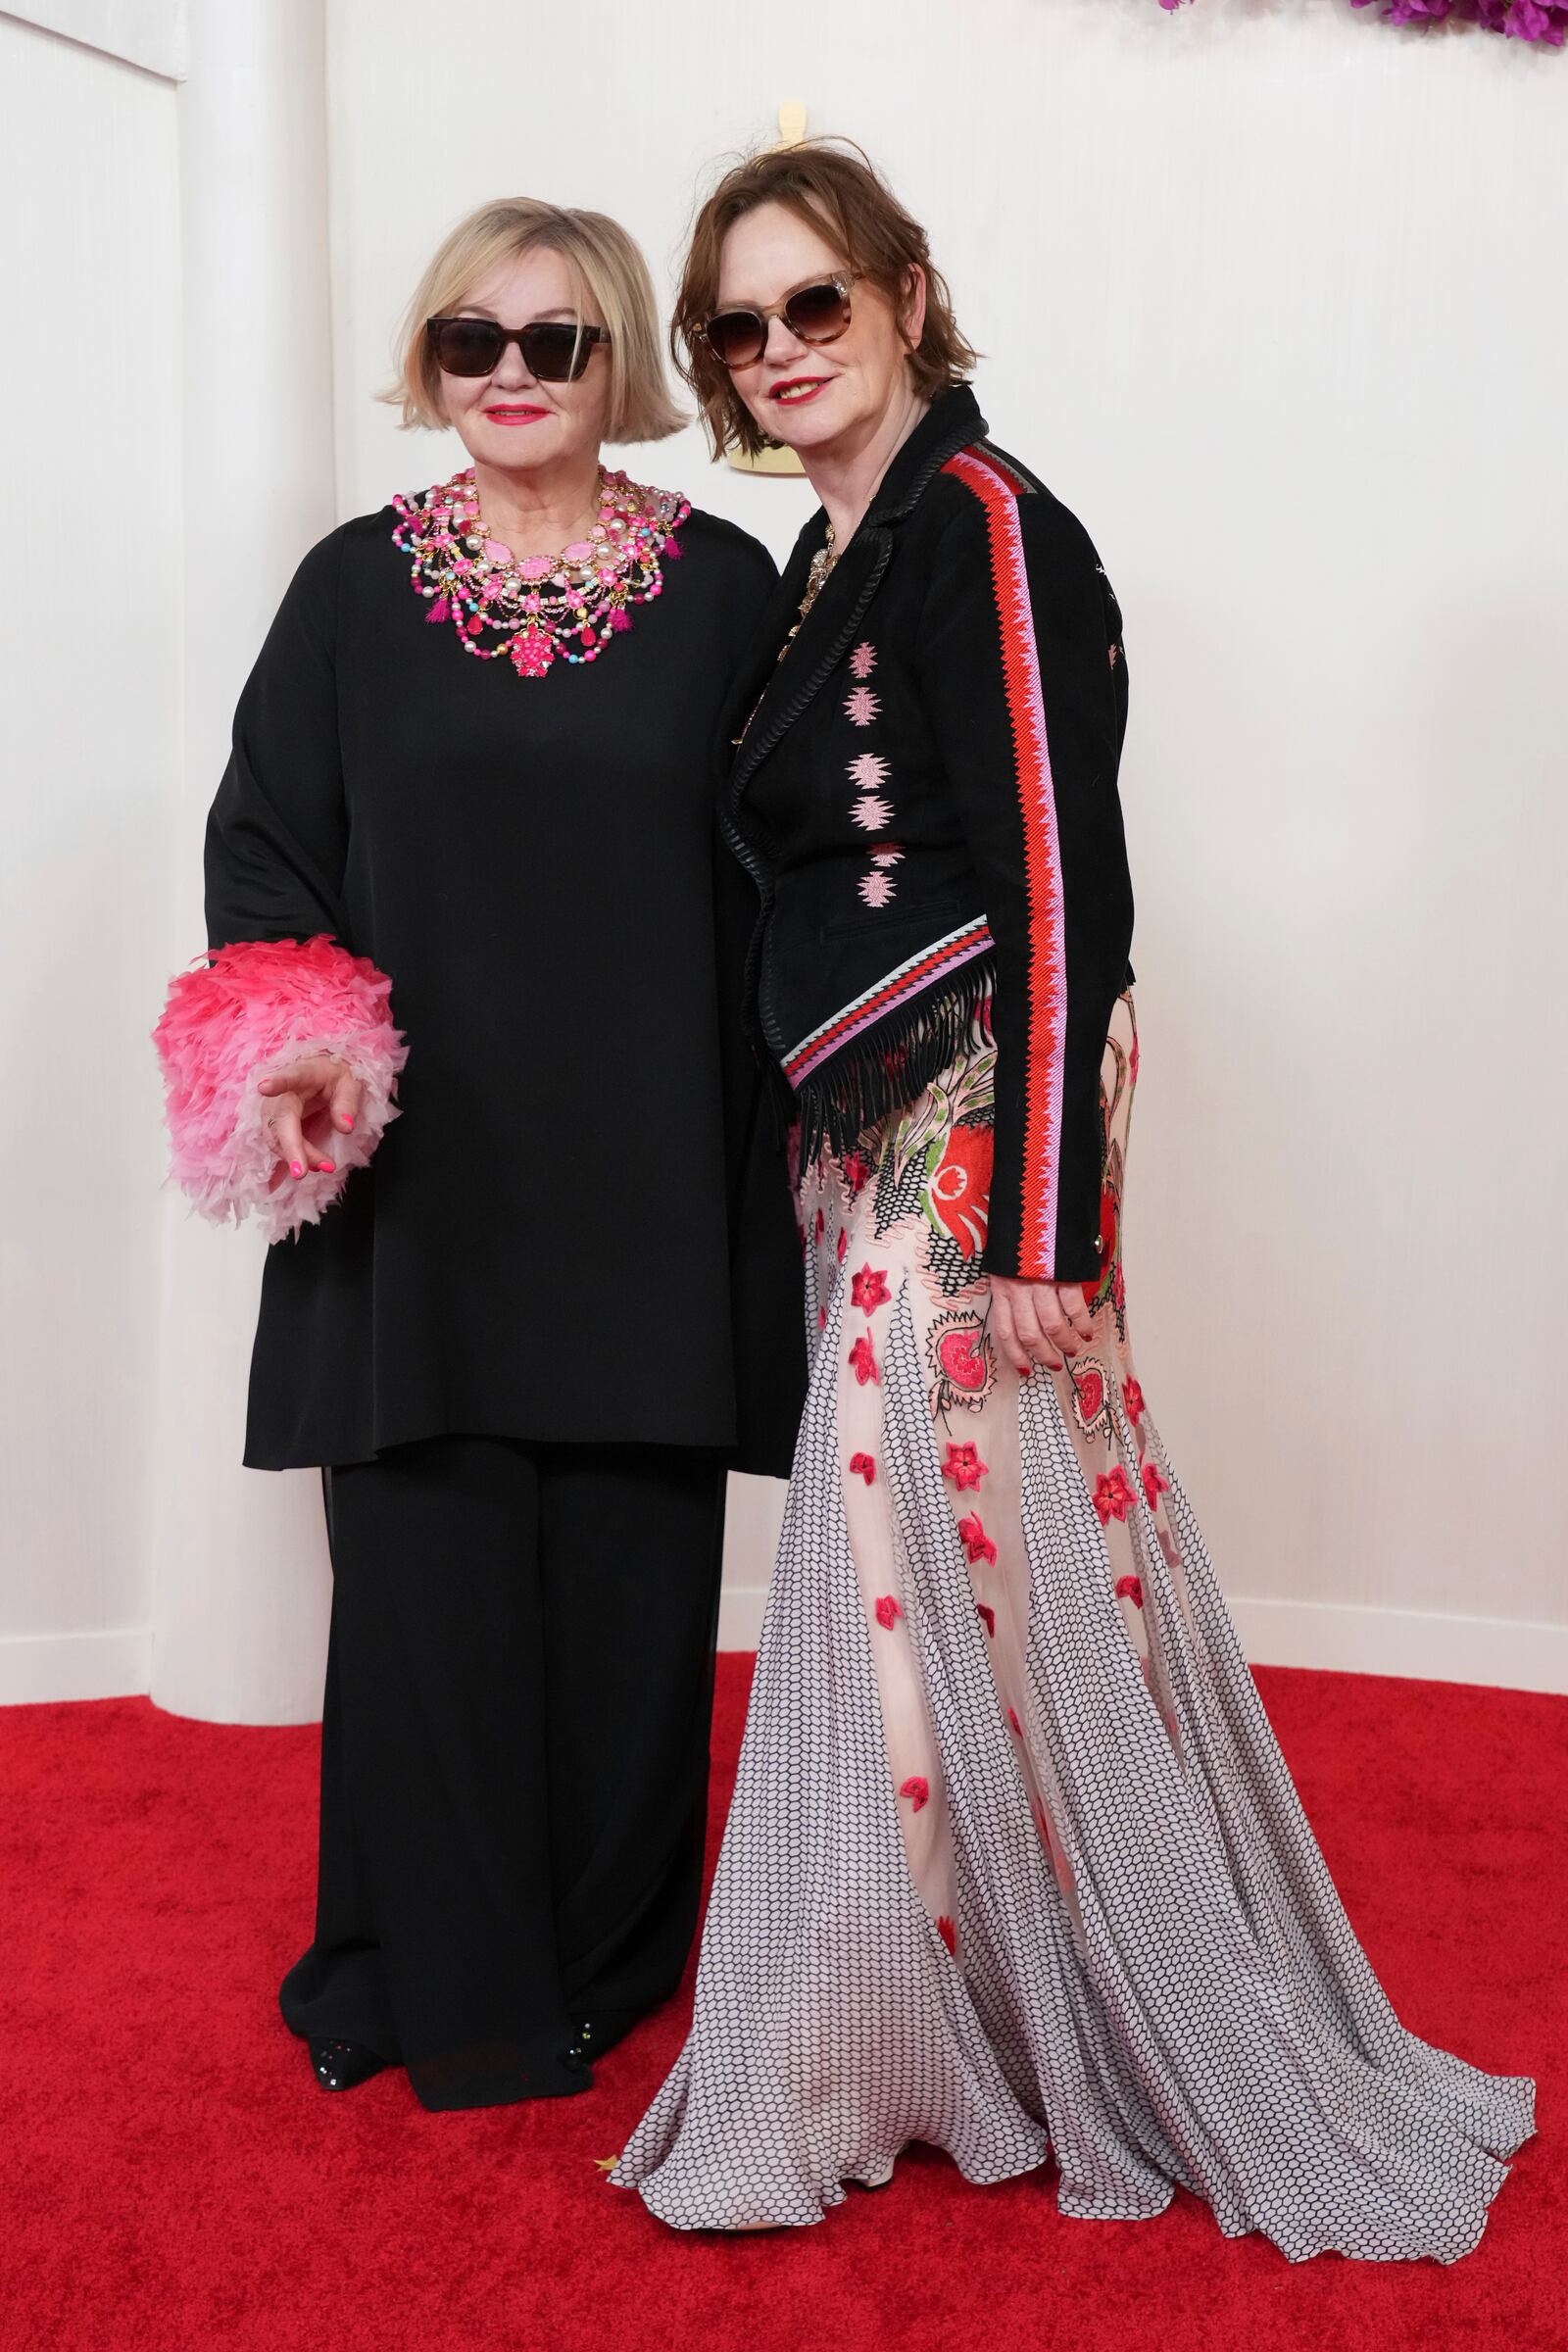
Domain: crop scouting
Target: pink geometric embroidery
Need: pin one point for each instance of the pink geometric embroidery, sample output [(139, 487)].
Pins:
[(868, 770), (876, 889), (888, 1612), (887, 856), (872, 813), (862, 660), (861, 706), (917, 1790)]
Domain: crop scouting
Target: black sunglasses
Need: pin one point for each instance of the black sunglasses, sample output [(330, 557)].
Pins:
[(812, 314), (555, 350)]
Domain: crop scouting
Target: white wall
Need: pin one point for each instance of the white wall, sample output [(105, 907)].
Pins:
[(90, 602), (1268, 291), (1248, 307)]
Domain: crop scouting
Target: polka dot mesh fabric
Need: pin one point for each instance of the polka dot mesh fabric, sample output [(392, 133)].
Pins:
[(1013, 1863)]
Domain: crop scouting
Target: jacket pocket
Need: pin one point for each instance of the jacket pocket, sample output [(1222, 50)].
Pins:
[(935, 915)]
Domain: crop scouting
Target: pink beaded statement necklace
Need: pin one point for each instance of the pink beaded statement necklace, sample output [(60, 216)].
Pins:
[(546, 608)]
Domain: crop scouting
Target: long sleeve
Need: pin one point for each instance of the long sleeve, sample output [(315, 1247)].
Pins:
[(1023, 675), (277, 979)]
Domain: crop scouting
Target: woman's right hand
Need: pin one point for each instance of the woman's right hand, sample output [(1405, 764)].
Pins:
[(308, 1102)]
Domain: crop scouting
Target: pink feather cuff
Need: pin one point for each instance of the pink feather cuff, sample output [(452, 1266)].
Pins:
[(239, 1016)]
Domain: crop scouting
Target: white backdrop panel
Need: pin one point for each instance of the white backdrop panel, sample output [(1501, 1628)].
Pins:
[(1241, 308), (90, 621)]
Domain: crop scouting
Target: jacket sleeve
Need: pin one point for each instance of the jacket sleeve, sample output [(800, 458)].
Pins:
[(1024, 679), (277, 978)]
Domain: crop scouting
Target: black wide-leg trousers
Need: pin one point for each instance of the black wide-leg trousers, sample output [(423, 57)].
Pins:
[(514, 1756)]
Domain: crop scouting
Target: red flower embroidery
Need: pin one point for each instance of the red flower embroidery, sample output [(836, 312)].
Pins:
[(857, 1172), (1155, 1485), (821, 1318), (959, 1190), (1130, 1588), (821, 1222), (1114, 1496), (888, 1612), (869, 1288), (977, 1543), (1131, 1397), (917, 1791), (1132, 1062), (863, 1362), (987, 1617), (949, 1933), (844, 1242), (964, 1466), (1018, 1727), (862, 1466)]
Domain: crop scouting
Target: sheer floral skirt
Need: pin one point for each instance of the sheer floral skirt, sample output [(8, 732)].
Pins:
[(1014, 1864)]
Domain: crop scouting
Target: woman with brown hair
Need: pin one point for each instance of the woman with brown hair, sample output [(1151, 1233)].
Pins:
[(1014, 1861), (527, 1328)]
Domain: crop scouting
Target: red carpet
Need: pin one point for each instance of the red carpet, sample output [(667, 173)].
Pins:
[(171, 2176)]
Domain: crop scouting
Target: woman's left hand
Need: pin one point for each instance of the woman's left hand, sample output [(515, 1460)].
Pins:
[(1039, 1322)]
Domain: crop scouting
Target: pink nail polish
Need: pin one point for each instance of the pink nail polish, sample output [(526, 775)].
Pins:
[(347, 1116), (325, 1167), (296, 1167)]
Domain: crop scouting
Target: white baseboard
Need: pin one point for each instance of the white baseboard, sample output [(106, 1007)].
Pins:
[(1508, 1654), (1335, 1637), (37, 1667)]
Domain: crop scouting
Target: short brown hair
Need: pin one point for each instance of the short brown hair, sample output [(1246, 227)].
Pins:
[(834, 186), (608, 271)]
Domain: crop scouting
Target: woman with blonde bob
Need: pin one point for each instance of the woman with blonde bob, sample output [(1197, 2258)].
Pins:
[(460, 876), (1013, 1863)]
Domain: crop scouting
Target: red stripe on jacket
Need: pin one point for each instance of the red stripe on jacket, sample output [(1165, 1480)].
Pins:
[(997, 495)]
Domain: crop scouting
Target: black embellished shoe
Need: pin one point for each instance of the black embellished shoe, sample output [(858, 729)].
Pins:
[(343, 2065)]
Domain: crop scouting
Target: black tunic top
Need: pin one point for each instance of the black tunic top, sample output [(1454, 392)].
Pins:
[(579, 1229)]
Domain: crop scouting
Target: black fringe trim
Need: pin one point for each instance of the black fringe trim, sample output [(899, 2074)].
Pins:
[(891, 1065)]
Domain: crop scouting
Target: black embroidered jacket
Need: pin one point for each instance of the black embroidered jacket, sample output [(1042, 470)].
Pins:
[(925, 795)]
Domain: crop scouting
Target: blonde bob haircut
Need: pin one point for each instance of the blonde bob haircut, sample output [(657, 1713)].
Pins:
[(609, 277)]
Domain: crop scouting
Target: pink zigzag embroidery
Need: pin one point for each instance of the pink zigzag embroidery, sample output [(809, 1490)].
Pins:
[(863, 659), (862, 706)]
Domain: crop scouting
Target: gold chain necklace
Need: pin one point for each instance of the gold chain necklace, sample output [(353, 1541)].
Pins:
[(822, 563)]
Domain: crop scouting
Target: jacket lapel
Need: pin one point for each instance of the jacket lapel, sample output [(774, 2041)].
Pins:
[(779, 615), (781, 690), (817, 648)]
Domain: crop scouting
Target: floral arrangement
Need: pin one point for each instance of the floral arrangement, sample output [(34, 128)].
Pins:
[(1543, 20)]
